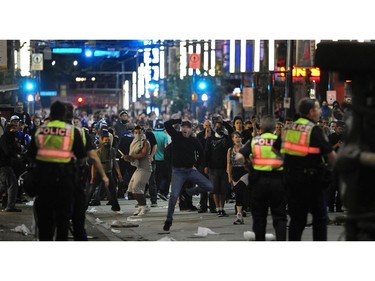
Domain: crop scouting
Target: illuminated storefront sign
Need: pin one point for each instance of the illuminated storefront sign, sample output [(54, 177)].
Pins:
[(300, 72)]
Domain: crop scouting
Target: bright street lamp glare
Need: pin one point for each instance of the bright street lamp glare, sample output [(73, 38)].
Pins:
[(75, 63), (202, 85), (29, 86), (152, 87), (88, 53)]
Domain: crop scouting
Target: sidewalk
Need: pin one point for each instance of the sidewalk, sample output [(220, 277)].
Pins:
[(150, 227), (185, 224)]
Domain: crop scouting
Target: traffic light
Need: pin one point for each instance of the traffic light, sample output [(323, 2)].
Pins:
[(80, 100)]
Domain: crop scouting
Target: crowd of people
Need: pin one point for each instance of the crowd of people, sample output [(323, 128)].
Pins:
[(260, 162)]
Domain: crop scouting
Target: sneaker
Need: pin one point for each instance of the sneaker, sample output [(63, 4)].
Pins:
[(167, 225), (162, 197), (13, 210), (220, 213), (144, 210), (154, 204), (137, 212), (239, 220)]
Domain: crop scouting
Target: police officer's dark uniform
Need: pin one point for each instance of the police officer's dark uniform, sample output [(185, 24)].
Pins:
[(55, 146), (304, 145), (267, 191)]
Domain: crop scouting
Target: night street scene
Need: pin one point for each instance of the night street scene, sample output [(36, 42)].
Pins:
[(231, 149)]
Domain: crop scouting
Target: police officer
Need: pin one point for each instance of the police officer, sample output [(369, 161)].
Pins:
[(54, 149), (267, 188), (303, 146)]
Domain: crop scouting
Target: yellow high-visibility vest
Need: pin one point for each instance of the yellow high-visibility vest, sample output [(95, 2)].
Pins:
[(83, 135), (55, 142), (263, 158), (296, 139)]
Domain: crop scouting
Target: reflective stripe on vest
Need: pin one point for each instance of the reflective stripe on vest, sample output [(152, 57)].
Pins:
[(55, 142), (296, 139), (83, 135), (263, 158)]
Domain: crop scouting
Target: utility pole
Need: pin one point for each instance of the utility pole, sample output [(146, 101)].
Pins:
[(289, 79)]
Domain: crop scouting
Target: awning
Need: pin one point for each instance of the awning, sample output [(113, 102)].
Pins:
[(4, 88)]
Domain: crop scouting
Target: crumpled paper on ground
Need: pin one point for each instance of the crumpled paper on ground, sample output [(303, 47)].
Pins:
[(117, 223), (204, 231), (166, 238), (22, 229), (98, 221), (115, 231)]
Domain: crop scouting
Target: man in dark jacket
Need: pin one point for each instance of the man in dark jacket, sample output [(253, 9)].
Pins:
[(216, 149), (206, 200), (120, 126), (186, 156), (9, 153), (127, 170), (23, 115)]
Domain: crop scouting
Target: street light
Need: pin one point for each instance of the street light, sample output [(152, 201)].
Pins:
[(88, 53), (202, 85)]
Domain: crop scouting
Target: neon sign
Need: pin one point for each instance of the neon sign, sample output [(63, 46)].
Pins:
[(300, 71)]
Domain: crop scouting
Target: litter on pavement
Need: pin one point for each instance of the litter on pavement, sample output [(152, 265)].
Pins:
[(21, 229), (204, 231)]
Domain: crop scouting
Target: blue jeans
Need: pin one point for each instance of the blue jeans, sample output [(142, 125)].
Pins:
[(179, 177)]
